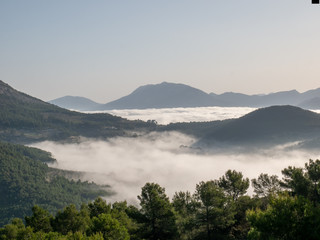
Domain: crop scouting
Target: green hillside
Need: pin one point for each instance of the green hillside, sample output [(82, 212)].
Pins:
[(26, 180), (25, 119), (267, 126)]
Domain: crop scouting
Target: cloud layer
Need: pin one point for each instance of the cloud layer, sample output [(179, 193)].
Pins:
[(171, 115), (128, 163)]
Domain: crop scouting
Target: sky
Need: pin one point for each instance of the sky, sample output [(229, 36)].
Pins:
[(104, 49)]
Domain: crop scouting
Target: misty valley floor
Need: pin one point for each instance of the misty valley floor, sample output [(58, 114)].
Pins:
[(173, 115), (128, 163)]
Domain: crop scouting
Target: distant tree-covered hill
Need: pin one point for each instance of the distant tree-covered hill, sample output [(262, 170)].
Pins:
[(262, 128), (26, 180), (267, 126), (76, 103), (26, 119)]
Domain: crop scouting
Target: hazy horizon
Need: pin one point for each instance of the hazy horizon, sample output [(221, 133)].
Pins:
[(104, 50), (173, 115)]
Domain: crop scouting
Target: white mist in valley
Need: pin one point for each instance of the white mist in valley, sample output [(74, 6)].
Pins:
[(126, 164), (172, 115)]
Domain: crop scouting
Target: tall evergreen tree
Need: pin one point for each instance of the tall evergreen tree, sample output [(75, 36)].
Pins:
[(234, 184), (158, 215), (216, 212)]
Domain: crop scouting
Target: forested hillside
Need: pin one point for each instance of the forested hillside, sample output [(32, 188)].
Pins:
[(26, 180), (266, 127), (25, 119), (280, 209)]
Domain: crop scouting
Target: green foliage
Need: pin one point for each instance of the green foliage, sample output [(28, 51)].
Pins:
[(234, 184), (294, 214), (24, 119), (266, 185), (241, 227), (117, 211), (158, 216), (212, 212), (110, 227), (186, 207), (71, 220), (286, 218), (216, 211), (98, 207), (40, 220), (304, 181), (296, 181), (25, 181)]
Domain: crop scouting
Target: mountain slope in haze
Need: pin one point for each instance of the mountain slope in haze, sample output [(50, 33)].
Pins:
[(243, 100), (25, 119), (164, 95), (313, 103), (267, 126), (25, 180), (173, 95), (76, 103), (292, 97)]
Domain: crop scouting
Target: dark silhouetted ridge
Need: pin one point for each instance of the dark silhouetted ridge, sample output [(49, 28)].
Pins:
[(25, 119), (273, 125), (164, 95)]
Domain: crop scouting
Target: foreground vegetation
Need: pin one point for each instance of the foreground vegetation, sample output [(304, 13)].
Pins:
[(218, 209), (26, 180)]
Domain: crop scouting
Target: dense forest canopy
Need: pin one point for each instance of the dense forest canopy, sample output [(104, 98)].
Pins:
[(218, 209), (26, 180)]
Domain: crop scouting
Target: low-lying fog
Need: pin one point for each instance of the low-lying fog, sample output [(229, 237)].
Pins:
[(128, 163), (172, 115)]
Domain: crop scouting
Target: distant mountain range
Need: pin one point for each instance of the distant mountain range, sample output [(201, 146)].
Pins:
[(24, 119), (76, 103), (172, 95)]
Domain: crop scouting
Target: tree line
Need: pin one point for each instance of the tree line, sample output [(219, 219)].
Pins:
[(26, 180), (287, 208)]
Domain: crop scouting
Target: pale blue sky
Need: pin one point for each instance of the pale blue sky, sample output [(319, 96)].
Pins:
[(105, 49)]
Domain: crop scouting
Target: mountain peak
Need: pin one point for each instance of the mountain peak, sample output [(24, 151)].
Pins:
[(275, 124), (76, 102), (10, 94), (4, 88), (162, 95)]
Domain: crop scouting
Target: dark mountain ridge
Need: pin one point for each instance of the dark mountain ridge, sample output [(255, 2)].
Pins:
[(164, 95), (267, 126), (25, 119), (172, 95)]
